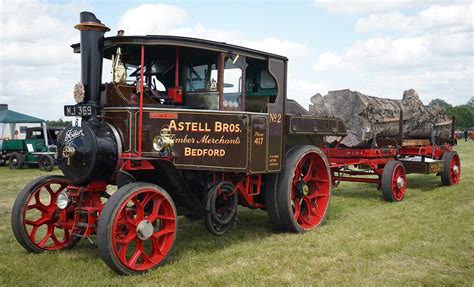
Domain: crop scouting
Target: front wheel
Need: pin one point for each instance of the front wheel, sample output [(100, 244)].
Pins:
[(137, 228), (304, 188), (35, 216)]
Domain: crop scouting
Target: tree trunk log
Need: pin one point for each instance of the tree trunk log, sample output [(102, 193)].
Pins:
[(366, 116)]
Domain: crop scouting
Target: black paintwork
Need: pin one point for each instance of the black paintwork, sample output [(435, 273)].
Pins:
[(96, 152)]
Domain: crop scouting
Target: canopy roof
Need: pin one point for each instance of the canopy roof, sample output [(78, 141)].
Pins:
[(9, 116), (178, 41)]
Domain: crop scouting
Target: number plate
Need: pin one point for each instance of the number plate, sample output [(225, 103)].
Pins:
[(79, 111)]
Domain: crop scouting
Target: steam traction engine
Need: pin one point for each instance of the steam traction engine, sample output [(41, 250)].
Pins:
[(184, 127)]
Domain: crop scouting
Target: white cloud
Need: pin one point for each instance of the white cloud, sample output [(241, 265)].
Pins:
[(167, 19), (37, 66), (358, 6), (152, 19), (433, 54), (449, 18)]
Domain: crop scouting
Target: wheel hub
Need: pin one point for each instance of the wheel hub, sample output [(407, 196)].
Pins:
[(15, 161), (400, 182), (302, 189), (144, 229), (455, 169)]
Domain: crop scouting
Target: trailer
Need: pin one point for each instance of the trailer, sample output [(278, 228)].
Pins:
[(387, 161)]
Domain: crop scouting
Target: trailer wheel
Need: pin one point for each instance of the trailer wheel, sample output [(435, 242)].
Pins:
[(46, 162), (16, 160), (452, 168), (304, 189), (394, 181), (35, 216), (137, 228)]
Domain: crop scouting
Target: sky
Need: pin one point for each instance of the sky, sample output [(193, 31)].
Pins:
[(379, 48)]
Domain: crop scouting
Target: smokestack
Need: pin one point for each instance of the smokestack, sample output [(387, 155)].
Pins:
[(92, 43)]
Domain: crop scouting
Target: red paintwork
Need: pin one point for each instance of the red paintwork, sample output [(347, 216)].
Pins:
[(140, 117), (87, 200), (435, 153), (248, 188), (82, 199), (455, 177), (40, 215), (143, 204), (309, 209), (398, 193), (373, 159)]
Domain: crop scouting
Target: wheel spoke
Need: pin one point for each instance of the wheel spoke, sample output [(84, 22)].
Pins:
[(297, 208), (132, 262), (46, 237), (38, 222), (156, 246), (132, 235), (139, 208), (309, 172), (163, 232), (156, 208)]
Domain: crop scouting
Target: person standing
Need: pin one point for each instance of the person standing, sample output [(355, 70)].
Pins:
[(466, 134)]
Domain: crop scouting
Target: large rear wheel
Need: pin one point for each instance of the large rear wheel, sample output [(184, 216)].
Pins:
[(304, 188), (137, 228), (35, 216)]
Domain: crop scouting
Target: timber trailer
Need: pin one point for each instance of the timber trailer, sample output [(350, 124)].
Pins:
[(185, 127)]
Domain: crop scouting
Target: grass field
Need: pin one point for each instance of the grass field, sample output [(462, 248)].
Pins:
[(428, 239)]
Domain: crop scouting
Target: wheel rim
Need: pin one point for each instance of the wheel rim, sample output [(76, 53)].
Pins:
[(310, 191), (398, 183), (41, 217), (136, 246), (455, 169)]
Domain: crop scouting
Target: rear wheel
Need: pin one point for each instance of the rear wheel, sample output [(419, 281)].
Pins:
[(137, 228), (451, 174), (16, 160), (394, 181), (35, 216), (304, 189), (46, 162)]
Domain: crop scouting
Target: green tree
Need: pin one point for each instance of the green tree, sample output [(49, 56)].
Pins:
[(470, 103), (58, 123), (464, 116), (440, 103)]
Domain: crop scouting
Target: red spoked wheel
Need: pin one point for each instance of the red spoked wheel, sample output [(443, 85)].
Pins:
[(394, 181), (303, 193), (451, 174), (137, 228), (36, 217)]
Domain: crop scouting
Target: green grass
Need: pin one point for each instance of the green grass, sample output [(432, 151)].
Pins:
[(427, 239)]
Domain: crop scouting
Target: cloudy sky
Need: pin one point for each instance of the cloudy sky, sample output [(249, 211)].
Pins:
[(380, 48)]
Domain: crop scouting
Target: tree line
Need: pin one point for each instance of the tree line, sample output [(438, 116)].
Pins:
[(464, 114)]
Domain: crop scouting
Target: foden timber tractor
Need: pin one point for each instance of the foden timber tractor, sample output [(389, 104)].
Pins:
[(185, 127)]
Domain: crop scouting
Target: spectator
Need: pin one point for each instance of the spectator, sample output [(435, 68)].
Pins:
[(15, 136), (466, 134)]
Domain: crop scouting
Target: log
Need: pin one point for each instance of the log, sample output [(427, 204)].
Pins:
[(366, 116)]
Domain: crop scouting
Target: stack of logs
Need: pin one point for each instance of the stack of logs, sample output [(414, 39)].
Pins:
[(366, 116)]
